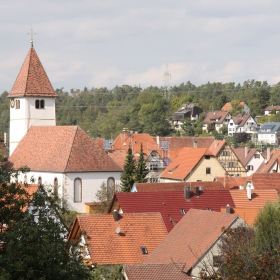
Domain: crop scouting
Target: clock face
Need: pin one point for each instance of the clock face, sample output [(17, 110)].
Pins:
[(12, 103)]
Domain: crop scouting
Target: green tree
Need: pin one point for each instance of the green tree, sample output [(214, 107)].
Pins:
[(141, 170), (128, 175), (104, 196), (188, 128)]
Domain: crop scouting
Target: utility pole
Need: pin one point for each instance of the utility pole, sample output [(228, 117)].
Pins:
[(166, 78)]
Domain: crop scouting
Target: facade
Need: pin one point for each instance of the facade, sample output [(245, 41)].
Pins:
[(269, 133), (216, 120), (242, 123), (271, 110)]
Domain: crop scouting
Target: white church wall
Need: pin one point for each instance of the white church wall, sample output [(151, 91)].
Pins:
[(91, 182)]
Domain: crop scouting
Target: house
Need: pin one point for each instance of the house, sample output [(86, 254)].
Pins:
[(117, 238), (172, 205), (269, 133), (271, 110), (227, 158), (178, 186), (186, 111), (242, 123), (216, 120), (194, 241), (270, 163), (192, 165), (171, 146), (250, 158), (144, 271), (248, 205), (244, 107), (67, 159)]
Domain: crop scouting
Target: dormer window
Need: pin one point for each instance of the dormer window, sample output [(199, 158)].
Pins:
[(144, 250), (39, 104)]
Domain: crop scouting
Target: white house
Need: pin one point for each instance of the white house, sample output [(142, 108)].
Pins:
[(269, 133), (216, 120), (242, 123), (268, 110), (64, 157)]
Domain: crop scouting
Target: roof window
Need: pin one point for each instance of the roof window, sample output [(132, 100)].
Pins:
[(183, 211), (144, 250)]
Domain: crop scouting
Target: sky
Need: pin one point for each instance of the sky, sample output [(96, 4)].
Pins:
[(104, 43)]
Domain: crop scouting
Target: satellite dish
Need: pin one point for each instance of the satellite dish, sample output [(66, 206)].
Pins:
[(118, 230)]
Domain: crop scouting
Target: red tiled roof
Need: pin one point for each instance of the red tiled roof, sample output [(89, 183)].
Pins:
[(240, 153), (32, 79), (118, 156), (123, 141), (259, 198), (216, 146), (169, 271), (169, 204), (266, 180), (266, 166), (230, 182), (182, 165), (227, 106), (107, 247), (176, 144), (191, 238), (240, 119), (60, 149), (166, 187), (270, 108)]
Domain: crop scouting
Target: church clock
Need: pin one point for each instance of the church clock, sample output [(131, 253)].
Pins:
[(12, 103)]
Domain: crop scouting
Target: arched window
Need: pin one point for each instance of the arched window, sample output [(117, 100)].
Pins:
[(55, 186), (110, 185), (42, 104), (25, 179), (78, 190), (37, 104), (17, 104), (39, 180)]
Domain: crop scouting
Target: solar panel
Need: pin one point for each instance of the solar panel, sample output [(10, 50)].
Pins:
[(268, 126)]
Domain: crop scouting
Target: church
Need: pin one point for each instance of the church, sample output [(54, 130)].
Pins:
[(62, 157)]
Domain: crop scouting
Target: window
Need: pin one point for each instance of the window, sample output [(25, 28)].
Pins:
[(183, 212), (207, 157), (153, 180), (153, 167), (231, 164), (17, 104), (256, 155), (208, 170), (78, 190), (25, 179), (225, 153), (55, 186), (217, 261), (144, 250), (110, 185), (39, 180), (40, 104), (250, 167)]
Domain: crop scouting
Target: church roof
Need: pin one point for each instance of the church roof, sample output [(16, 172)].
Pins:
[(60, 149), (32, 79)]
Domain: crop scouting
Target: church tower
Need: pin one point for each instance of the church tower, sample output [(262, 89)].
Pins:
[(32, 99)]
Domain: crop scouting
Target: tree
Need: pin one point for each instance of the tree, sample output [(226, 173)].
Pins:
[(188, 127), (128, 175), (104, 196), (141, 170), (34, 242)]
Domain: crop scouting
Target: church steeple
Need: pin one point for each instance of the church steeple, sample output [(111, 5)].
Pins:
[(32, 79)]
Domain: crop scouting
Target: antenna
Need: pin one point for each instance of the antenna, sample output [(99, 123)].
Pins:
[(166, 78), (118, 230)]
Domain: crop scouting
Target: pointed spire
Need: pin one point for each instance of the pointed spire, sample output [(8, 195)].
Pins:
[(32, 79)]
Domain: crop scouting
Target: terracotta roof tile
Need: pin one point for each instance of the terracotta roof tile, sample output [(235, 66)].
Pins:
[(230, 182), (227, 106), (191, 237), (60, 149), (240, 153), (169, 271), (169, 204), (176, 144), (107, 247), (164, 187), (216, 146), (32, 79), (266, 180), (118, 156), (266, 166), (218, 116), (182, 165)]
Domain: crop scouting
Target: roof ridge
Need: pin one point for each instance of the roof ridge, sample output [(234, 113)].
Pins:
[(29, 60), (76, 129)]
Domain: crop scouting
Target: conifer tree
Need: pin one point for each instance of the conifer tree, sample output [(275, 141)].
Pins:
[(141, 170), (129, 169)]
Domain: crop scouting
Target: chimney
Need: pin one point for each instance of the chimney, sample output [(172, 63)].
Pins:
[(268, 154), (249, 191), (228, 209), (246, 151), (116, 215), (197, 191), (157, 140), (187, 193)]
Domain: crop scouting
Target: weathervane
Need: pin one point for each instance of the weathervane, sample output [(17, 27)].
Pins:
[(31, 36)]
